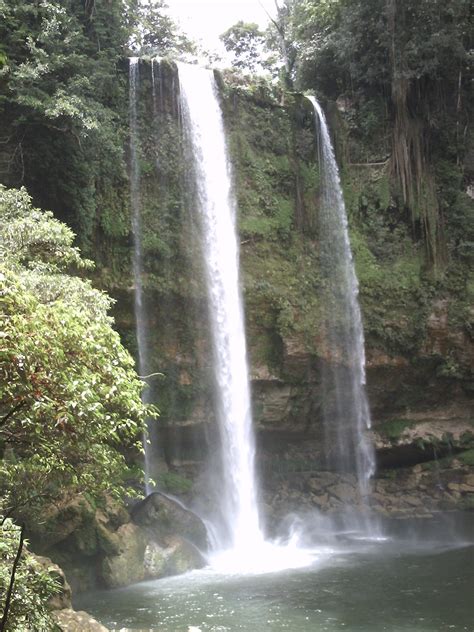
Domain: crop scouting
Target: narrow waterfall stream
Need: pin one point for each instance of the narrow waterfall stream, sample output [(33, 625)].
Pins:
[(137, 258), (348, 418), (204, 130)]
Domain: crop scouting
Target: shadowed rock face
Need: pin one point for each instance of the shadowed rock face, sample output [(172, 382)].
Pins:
[(165, 518)]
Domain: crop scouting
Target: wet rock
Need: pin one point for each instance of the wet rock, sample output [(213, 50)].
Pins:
[(166, 517), (154, 560), (320, 501), (63, 598), (343, 492), (296, 356), (182, 556), (315, 485), (178, 556), (128, 566), (274, 400), (413, 501), (69, 620)]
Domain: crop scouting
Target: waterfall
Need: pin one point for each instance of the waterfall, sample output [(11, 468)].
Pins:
[(238, 543), (137, 259), (347, 417), (212, 189)]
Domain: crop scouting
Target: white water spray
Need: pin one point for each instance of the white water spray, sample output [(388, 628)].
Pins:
[(351, 414)]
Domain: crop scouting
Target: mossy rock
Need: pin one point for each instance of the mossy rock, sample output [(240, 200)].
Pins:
[(174, 483), (69, 620), (467, 457), (166, 518), (128, 566), (108, 541), (394, 428)]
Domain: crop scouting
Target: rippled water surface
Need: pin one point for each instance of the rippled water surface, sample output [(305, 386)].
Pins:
[(405, 584)]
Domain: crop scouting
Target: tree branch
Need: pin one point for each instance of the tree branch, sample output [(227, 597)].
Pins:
[(3, 622), (15, 409)]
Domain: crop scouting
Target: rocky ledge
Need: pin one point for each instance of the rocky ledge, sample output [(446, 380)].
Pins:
[(110, 547)]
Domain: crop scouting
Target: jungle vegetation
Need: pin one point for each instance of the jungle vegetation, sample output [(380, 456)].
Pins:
[(397, 77)]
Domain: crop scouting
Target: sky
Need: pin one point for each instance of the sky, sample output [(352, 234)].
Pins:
[(206, 19)]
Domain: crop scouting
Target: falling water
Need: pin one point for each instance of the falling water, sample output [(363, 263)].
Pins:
[(137, 259), (349, 417), (204, 130)]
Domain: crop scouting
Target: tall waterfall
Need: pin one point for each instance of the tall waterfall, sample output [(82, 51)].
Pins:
[(212, 188), (347, 417)]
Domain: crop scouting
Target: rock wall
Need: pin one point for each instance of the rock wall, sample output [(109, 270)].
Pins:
[(420, 346)]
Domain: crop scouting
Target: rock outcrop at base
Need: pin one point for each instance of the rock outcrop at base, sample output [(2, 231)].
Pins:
[(69, 620), (164, 516), (107, 547), (425, 464)]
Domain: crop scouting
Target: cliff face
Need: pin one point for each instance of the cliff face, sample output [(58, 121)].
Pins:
[(418, 326)]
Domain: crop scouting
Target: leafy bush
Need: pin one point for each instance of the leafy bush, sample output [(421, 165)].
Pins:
[(69, 394), (33, 585)]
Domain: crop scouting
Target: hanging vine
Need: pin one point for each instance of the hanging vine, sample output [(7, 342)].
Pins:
[(410, 144)]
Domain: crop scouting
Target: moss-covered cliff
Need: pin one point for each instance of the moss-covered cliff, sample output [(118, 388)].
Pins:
[(418, 323)]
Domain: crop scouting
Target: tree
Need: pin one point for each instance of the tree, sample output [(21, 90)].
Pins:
[(69, 395), (156, 33), (61, 103), (281, 37), (31, 589), (245, 41), (404, 65)]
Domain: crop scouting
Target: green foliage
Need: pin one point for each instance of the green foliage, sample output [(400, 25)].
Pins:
[(245, 41), (393, 294), (402, 68), (32, 238), (63, 96), (156, 33), (61, 102), (348, 43), (259, 143), (174, 483), (394, 428), (69, 395), (33, 585), (467, 457)]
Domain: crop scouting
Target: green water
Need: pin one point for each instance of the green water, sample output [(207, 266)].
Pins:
[(401, 585)]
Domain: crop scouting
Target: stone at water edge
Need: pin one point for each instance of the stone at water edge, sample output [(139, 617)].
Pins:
[(179, 556), (63, 598), (167, 518), (69, 620), (127, 567), (141, 557)]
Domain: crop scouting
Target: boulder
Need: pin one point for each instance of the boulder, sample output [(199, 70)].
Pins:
[(69, 620), (179, 556), (63, 598), (165, 517), (63, 519), (141, 557), (127, 567)]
